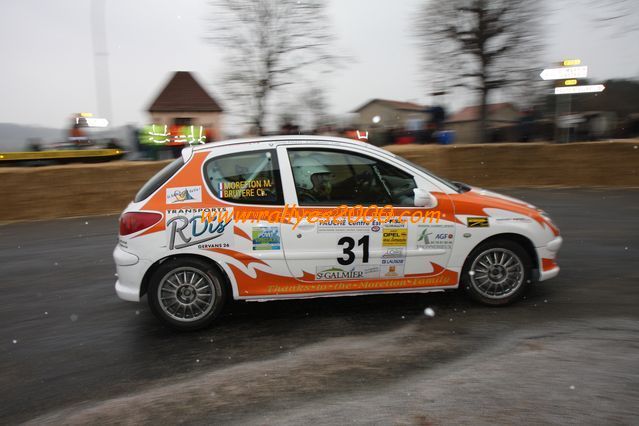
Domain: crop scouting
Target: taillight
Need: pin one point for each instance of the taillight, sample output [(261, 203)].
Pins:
[(137, 221)]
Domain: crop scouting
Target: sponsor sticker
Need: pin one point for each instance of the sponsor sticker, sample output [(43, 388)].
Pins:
[(477, 222), (394, 252), (343, 225), (353, 272), (435, 236), (184, 194), (392, 262), (514, 219), (266, 238), (204, 228), (393, 267), (394, 222), (244, 189), (394, 237)]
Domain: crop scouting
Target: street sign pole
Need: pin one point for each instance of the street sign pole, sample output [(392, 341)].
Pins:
[(563, 106), (568, 129), (557, 129), (569, 72)]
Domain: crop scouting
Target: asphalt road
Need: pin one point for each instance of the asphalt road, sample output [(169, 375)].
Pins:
[(72, 352)]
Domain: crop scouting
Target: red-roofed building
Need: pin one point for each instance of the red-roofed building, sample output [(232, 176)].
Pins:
[(501, 117), (184, 102)]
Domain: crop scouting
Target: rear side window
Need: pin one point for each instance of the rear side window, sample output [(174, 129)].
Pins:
[(158, 180), (246, 178)]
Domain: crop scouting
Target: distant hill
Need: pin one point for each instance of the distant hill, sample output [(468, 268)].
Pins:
[(14, 137)]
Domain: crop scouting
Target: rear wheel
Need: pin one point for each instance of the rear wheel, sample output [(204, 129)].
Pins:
[(497, 272), (186, 294)]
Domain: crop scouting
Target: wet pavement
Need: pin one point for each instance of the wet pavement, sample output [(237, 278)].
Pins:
[(72, 352)]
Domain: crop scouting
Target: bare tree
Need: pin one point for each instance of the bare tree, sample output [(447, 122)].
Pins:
[(307, 108), (482, 45), (621, 16), (314, 104), (268, 43)]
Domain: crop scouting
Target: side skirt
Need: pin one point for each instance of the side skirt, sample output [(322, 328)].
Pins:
[(267, 298)]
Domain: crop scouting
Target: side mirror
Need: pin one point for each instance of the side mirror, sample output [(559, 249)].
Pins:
[(424, 198)]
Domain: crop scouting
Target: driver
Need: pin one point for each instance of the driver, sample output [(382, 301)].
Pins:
[(312, 179)]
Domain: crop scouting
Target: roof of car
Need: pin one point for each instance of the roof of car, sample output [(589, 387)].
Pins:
[(297, 139)]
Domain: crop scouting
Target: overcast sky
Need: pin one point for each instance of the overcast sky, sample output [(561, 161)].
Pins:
[(47, 69)]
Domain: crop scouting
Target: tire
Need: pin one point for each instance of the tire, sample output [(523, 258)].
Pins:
[(186, 293), (497, 272)]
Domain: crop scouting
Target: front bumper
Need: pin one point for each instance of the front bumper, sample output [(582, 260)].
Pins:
[(130, 272), (547, 255)]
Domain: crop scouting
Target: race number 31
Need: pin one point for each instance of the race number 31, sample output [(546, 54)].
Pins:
[(349, 245)]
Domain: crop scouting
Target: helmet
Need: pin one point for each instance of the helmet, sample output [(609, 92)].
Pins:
[(308, 171)]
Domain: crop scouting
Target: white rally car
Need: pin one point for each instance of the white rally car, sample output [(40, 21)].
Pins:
[(305, 216)]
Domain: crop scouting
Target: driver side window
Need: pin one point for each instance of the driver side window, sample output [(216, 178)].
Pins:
[(325, 177)]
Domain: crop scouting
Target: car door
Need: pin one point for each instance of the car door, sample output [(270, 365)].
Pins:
[(248, 182), (360, 246)]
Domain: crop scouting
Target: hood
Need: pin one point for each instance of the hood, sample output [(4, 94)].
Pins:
[(477, 201), (486, 193)]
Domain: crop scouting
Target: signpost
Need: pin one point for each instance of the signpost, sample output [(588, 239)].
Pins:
[(564, 73), (569, 90), (569, 72)]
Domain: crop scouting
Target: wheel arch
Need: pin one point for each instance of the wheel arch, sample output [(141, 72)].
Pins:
[(522, 240), (149, 273)]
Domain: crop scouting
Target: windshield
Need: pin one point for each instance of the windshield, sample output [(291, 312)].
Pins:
[(450, 184)]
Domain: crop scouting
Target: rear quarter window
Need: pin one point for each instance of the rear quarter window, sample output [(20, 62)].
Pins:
[(245, 178), (158, 179)]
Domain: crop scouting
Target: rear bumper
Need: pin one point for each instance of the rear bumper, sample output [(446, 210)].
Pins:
[(127, 292), (547, 255), (131, 271)]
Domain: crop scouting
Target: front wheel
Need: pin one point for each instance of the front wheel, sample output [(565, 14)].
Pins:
[(497, 272), (186, 294)]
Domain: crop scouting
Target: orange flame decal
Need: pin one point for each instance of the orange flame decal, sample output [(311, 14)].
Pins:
[(242, 257), (268, 284)]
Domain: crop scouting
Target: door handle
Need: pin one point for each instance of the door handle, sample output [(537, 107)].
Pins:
[(305, 226)]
